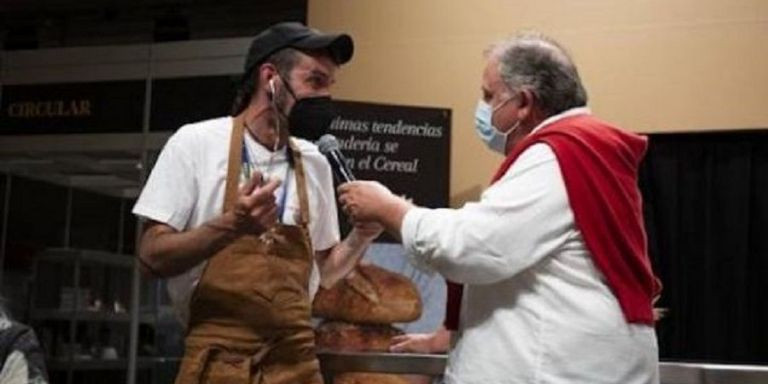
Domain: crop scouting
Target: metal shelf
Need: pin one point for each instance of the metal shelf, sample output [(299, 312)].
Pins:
[(702, 373), (63, 364), (336, 362), (106, 163), (70, 255), (88, 316), (80, 364), (332, 362)]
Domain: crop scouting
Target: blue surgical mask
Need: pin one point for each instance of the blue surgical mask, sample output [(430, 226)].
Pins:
[(490, 135)]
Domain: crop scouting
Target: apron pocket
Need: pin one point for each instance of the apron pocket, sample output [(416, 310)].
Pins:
[(278, 290), (192, 366), (224, 367), (266, 289)]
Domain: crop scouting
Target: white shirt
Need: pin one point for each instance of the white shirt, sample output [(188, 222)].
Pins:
[(16, 368), (535, 307), (186, 189)]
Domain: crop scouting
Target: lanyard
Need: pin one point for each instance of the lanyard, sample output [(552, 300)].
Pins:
[(247, 169)]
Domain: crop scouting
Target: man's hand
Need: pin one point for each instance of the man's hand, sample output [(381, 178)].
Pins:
[(365, 200), (436, 342), (367, 230), (255, 210), (369, 201), (166, 252)]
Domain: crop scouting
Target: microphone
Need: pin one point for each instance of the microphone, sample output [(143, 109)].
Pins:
[(329, 147)]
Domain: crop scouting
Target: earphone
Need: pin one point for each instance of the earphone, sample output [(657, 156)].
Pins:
[(271, 95), (271, 92)]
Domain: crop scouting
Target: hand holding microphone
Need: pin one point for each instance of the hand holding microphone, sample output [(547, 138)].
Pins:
[(370, 201), (352, 205), (363, 201), (329, 146)]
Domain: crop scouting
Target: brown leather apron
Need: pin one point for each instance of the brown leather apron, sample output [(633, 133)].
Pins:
[(250, 313)]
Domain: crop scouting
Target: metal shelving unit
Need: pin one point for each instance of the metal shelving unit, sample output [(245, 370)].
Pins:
[(86, 256), (110, 164), (76, 315)]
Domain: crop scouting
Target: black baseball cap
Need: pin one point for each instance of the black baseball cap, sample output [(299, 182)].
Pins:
[(296, 35)]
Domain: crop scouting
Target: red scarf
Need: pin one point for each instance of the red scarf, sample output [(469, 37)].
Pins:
[(599, 164)]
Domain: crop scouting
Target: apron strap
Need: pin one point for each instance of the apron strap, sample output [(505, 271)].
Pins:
[(234, 168), (301, 185), (235, 162)]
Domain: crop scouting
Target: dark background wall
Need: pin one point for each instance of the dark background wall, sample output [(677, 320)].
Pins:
[(29, 24), (706, 200)]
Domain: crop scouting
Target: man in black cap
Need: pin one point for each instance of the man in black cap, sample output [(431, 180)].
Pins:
[(241, 217)]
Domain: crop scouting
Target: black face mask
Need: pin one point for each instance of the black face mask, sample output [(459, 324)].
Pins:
[(310, 117)]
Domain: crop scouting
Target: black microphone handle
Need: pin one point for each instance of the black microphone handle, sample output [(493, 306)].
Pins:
[(339, 165)]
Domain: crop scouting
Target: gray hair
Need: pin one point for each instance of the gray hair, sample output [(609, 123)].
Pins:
[(539, 64)]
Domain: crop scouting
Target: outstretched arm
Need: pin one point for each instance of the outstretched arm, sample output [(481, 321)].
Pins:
[(166, 252)]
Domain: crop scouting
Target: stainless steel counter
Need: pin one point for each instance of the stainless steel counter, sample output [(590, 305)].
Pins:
[(338, 362), (671, 372)]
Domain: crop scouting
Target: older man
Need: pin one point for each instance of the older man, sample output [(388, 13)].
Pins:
[(557, 281)]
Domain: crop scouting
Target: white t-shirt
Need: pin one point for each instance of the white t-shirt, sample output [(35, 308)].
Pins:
[(186, 189), (535, 308)]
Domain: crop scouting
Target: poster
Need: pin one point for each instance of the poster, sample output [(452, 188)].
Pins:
[(405, 148)]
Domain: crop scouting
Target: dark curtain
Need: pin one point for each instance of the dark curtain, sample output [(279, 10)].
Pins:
[(706, 207)]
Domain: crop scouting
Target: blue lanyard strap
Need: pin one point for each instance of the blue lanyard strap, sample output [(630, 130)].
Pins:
[(248, 167)]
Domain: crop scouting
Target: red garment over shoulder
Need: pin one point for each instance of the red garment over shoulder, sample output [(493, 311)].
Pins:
[(599, 164)]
